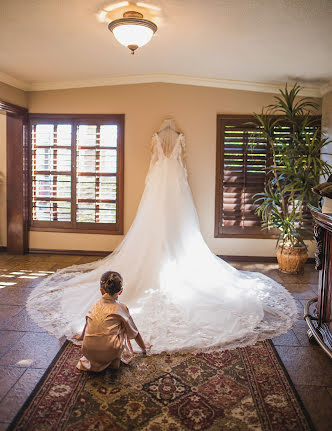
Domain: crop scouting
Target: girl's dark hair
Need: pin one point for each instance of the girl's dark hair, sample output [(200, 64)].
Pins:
[(111, 282)]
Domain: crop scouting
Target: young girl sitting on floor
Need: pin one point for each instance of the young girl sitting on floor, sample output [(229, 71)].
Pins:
[(108, 329)]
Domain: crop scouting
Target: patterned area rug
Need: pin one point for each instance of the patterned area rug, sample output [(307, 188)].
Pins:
[(243, 389)]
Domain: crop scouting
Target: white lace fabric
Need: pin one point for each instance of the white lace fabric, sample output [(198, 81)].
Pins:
[(181, 296)]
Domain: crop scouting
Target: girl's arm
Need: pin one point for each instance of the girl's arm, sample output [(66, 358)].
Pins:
[(131, 327), (140, 342)]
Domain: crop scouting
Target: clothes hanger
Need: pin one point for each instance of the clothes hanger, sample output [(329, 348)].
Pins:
[(168, 124)]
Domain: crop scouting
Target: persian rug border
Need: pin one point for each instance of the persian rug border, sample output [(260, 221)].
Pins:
[(293, 397), (291, 384)]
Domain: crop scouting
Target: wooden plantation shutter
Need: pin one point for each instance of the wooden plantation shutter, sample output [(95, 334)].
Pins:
[(308, 220), (241, 173), (77, 173), (96, 173), (51, 173)]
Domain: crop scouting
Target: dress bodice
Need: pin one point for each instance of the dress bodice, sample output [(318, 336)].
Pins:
[(166, 149)]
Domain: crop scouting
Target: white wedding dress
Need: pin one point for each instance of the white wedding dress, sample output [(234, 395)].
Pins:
[(181, 296)]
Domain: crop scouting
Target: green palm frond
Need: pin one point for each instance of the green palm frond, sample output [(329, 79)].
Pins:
[(296, 164)]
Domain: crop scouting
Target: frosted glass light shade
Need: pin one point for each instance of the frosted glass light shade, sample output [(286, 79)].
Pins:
[(132, 30), (133, 34)]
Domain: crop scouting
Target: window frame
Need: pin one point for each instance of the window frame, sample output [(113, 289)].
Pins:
[(237, 231), (74, 226)]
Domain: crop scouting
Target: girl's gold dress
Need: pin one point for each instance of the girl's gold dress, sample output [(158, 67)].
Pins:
[(109, 327)]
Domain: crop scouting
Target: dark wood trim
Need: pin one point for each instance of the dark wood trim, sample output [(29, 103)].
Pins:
[(73, 175), (17, 189), (12, 109), (263, 259), (235, 232), (70, 252), (248, 235), (218, 191), (268, 259), (120, 178), (322, 219), (228, 231), (250, 117), (26, 179), (17, 177), (101, 231), (43, 118), (77, 227), (320, 323), (3, 249)]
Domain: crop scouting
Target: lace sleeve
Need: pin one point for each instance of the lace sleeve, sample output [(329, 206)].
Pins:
[(154, 150), (183, 154), (183, 150)]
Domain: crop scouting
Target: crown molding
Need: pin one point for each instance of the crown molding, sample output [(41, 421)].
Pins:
[(17, 83), (261, 87), (170, 79), (326, 88)]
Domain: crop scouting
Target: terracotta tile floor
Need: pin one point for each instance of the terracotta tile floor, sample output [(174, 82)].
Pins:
[(26, 350)]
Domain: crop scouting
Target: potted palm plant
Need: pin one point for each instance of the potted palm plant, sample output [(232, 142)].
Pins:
[(294, 146)]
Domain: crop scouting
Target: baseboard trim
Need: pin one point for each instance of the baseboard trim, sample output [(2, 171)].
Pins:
[(266, 259), (228, 258), (270, 259), (69, 252)]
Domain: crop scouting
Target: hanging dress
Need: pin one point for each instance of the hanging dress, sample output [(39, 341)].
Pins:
[(180, 295)]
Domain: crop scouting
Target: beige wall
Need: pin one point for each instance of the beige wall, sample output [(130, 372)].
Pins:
[(145, 106), (13, 95), (3, 170)]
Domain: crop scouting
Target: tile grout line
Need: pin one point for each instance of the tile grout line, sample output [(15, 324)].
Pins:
[(15, 315), (4, 328), (1, 399), (12, 345)]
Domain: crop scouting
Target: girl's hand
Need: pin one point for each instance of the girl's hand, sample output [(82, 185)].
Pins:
[(147, 347)]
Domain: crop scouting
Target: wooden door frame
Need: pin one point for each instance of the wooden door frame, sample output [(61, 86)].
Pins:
[(17, 177)]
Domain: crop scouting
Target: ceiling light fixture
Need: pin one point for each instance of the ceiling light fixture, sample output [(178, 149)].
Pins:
[(132, 30)]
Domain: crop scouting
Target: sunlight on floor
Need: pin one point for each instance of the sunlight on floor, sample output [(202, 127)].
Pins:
[(25, 362), (29, 276), (23, 273)]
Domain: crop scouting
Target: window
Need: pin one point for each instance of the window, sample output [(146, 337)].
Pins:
[(241, 172), (77, 173)]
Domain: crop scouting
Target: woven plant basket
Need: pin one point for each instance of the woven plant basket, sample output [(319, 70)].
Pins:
[(292, 259)]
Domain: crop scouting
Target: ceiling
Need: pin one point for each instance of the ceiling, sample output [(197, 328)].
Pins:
[(260, 41)]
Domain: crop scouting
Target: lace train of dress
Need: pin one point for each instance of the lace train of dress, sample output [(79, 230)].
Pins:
[(181, 296)]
